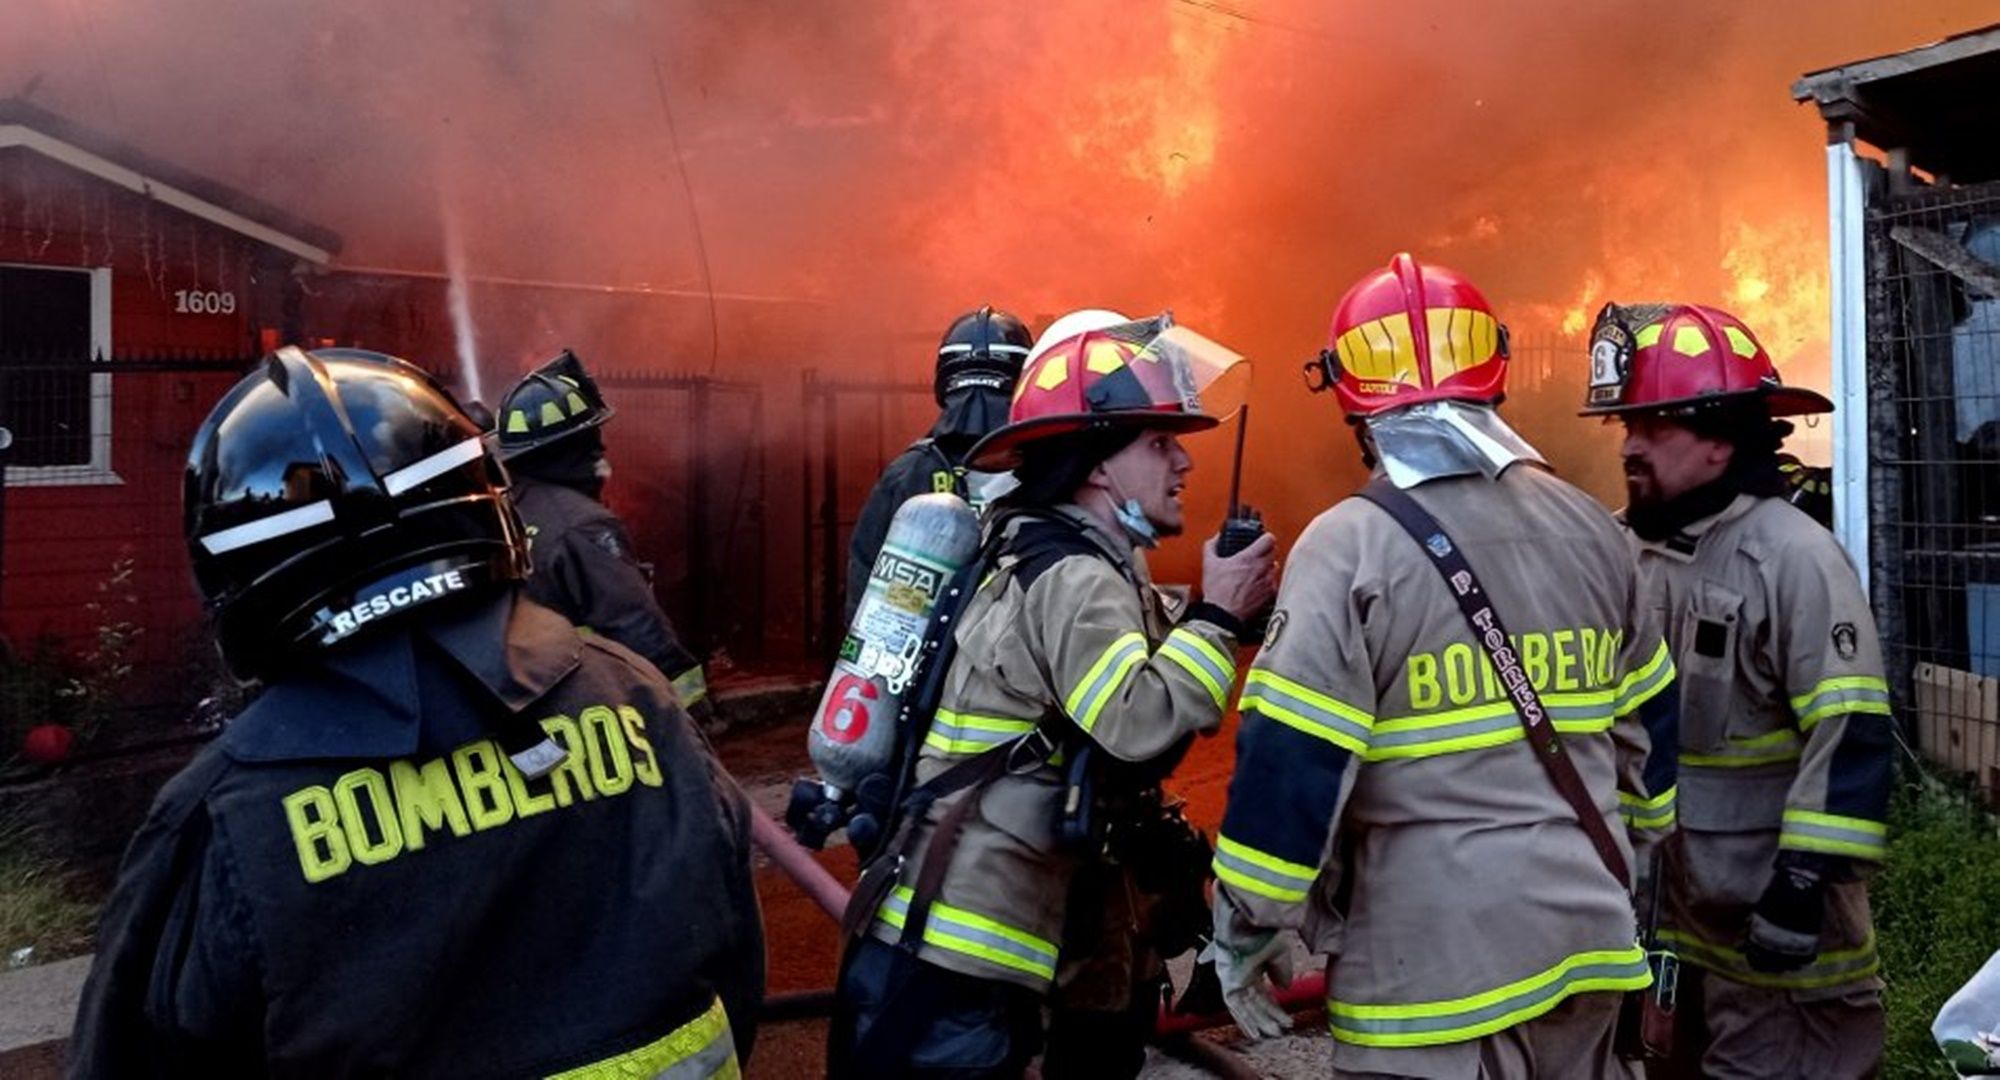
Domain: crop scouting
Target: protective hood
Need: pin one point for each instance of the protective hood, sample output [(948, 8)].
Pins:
[(968, 415), (1446, 438)]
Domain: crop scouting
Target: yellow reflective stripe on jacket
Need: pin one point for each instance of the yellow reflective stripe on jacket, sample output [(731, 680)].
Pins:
[(1305, 709), (964, 733), (1203, 661), (1835, 834), (1429, 1023), (1101, 682), (1642, 685), (690, 686), (1828, 969), (1765, 749), (974, 935), (1654, 813), (1267, 875), (1846, 694), (701, 1049), (1480, 726)]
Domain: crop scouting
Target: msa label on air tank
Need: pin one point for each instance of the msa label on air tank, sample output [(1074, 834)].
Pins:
[(891, 620)]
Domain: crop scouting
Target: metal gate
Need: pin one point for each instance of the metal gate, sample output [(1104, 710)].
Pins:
[(689, 479), (852, 429), (1933, 333)]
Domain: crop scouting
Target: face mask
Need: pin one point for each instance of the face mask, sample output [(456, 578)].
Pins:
[(1137, 523), (1131, 516)]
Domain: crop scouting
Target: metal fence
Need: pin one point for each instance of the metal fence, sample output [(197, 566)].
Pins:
[(1933, 300), (688, 454), (852, 428)]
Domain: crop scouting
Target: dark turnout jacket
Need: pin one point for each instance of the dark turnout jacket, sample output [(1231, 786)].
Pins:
[(585, 570), (354, 880)]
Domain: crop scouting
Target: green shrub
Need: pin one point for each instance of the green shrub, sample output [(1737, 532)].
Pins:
[(1937, 912)]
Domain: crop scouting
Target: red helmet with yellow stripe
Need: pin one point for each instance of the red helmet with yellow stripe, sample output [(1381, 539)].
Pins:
[(1681, 358), (1147, 373), (1411, 333)]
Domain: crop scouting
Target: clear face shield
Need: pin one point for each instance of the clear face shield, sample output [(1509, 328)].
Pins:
[(1177, 372)]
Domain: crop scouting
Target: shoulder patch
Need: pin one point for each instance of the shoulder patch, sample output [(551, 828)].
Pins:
[(1275, 627), (1844, 640), (1039, 546)]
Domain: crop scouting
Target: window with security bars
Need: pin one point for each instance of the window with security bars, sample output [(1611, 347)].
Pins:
[(1934, 361), (46, 354)]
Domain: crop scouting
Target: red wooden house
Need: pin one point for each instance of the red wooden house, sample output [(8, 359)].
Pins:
[(132, 294)]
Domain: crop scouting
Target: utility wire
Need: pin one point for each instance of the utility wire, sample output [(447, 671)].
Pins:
[(694, 216)]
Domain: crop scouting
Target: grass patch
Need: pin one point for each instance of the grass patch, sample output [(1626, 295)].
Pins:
[(1937, 912), (43, 905)]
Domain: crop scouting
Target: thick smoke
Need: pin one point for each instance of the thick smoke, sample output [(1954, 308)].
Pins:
[(1238, 161)]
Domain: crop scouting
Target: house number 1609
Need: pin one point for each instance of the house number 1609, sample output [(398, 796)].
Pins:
[(198, 302)]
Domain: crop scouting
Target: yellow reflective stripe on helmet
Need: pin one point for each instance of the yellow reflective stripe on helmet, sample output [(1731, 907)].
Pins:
[(517, 422), (552, 413), (1656, 812), (1203, 661), (1380, 349), (1847, 693), (964, 733), (1828, 969), (1640, 686), (1835, 834), (691, 686), (1766, 749), (1302, 708), (1461, 339), (701, 1049), (1103, 679), (1429, 1023), (1266, 875), (972, 934)]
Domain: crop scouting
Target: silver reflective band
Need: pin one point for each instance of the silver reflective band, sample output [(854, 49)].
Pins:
[(1011, 350), (537, 760), (432, 467), (255, 532)]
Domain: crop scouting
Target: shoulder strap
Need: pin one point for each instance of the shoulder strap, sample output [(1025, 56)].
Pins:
[(1477, 607)]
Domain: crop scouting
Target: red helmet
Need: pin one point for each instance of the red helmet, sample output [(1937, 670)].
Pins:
[(1680, 358), (1143, 374), (1408, 334)]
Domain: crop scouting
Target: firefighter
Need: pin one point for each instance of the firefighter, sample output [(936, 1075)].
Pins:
[(551, 439), (1388, 801), (1785, 729), (1019, 879), (452, 836), (977, 362)]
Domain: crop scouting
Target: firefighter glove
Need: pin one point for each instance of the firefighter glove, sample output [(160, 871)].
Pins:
[(1244, 959), (1785, 925)]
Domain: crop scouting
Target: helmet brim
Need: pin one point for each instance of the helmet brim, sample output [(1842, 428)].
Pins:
[(1781, 401), (1001, 449)]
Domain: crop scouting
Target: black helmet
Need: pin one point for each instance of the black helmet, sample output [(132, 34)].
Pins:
[(557, 399), (983, 348), (332, 489), (1808, 487)]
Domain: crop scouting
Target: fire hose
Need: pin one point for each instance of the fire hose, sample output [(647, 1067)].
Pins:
[(826, 892)]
